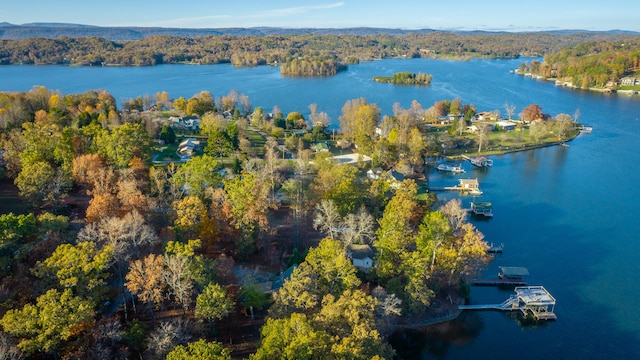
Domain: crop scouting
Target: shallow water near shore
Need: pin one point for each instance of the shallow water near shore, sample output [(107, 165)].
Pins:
[(567, 214)]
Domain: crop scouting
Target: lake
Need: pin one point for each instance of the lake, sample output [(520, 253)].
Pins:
[(567, 214)]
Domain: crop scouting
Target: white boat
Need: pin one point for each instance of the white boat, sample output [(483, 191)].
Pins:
[(451, 168), (586, 129)]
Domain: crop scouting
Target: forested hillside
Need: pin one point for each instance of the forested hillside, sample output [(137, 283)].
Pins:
[(259, 50), (597, 64)]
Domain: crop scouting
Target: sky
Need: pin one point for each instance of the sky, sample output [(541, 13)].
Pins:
[(489, 15)]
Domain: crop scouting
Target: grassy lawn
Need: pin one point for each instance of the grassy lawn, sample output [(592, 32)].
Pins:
[(505, 141), (257, 141), (167, 153)]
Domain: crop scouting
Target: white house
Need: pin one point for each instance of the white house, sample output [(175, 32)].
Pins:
[(188, 147), (361, 256), (506, 125)]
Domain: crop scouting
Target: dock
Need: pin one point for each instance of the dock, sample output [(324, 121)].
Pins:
[(479, 161), (495, 249), (507, 276), (482, 208), (534, 301), (499, 282)]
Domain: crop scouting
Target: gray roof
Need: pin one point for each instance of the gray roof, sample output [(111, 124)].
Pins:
[(360, 251), (513, 271)]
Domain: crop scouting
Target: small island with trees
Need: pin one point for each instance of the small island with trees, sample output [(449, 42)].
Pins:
[(406, 78)]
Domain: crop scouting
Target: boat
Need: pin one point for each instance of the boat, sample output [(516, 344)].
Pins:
[(450, 168), (564, 144), (586, 129)]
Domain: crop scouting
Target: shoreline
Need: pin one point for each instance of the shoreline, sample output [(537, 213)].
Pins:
[(570, 85)]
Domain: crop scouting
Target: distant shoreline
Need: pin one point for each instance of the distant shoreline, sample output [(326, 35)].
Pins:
[(570, 85)]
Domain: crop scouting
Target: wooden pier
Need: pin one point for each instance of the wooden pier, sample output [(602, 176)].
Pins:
[(470, 186), (533, 301)]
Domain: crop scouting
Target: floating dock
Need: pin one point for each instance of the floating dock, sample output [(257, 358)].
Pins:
[(533, 301), (507, 276)]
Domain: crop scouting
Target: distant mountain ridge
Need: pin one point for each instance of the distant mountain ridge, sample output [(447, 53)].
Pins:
[(55, 30)]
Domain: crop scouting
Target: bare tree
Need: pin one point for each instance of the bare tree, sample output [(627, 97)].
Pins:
[(107, 342), (510, 109), (327, 218), (178, 277), (8, 349), (126, 235), (167, 336), (455, 214), (358, 228), (483, 135)]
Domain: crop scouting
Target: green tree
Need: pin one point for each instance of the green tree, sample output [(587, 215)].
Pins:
[(397, 228), (123, 143), (81, 267), (167, 134), (252, 297), (39, 181), (213, 304), (326, 270), (291, 338), (246, 205), (55, 318), (200, 350), (219, 144), (196, 175)]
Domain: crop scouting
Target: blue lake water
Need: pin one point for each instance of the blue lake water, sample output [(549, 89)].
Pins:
[(569, 215)]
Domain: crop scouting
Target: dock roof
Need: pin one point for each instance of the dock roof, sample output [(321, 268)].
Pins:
[(535, 295), (510, 271)]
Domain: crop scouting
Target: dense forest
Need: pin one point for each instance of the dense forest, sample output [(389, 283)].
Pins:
[(117, 248), (280, 49), (600, 64)]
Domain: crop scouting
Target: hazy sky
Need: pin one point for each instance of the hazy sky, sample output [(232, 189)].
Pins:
[(510, 15)]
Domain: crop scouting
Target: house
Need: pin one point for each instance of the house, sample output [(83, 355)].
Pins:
[(395, 178), (374, 174), (469, 184), (629, 81), (320, 147), (361, 256), (188, 147), (487, 116), (506, 125)]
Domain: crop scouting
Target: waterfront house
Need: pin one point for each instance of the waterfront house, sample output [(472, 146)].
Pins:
[(629, 81), (506, 125)]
